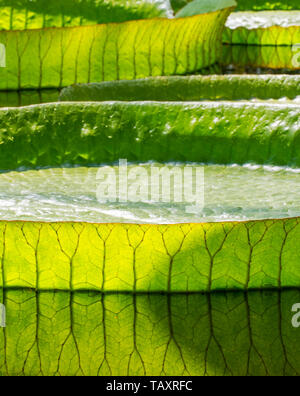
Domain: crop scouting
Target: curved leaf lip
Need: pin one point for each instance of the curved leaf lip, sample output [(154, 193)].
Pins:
[(194, 135), (229, 9), (116, 292), (190, 103), (78, 222), (264, 19), (109, 52), (173, 88), (265, 28), (208, 103), (157, 18), (189, 258)]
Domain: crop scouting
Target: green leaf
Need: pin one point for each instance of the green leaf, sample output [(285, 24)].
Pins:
[(270, 28), (28, 97), (260, 5), (247, 5), (120, 257), (193, 88), (56, 333), (197, 7), (178, 4), (54, 58), (37, 14), (95, 133), (246, 58)]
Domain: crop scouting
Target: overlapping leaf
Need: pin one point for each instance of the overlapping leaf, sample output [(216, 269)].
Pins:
[(95, 133), (244, 58), (204, 6), (261, 5), (246, 5), (52, 58), (28, 97), (265, 28), (37, 14), (192, 88), (151, 258)]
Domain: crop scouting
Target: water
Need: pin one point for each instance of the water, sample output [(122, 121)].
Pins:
[(232, 193)]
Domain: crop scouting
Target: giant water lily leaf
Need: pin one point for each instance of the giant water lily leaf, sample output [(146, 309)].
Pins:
[(52, 58), (246, 5), (57, 333), (264, 28), (204, 6), (279, 58), (37, 14), (178, 4), (151, 258), (261, 5), (95, 133), (191, 88), (28, 97)]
